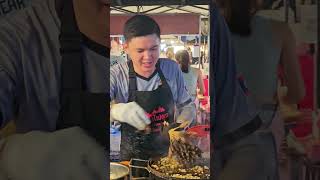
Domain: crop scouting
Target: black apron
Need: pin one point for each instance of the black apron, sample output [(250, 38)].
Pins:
[(159, 106), (78, 107)]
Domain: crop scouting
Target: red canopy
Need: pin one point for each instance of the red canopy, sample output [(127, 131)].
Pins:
[(169, 23)]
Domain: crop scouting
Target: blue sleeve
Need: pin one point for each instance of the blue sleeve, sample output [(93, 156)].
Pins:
[(114, 72), (119, 82), (231, 106)]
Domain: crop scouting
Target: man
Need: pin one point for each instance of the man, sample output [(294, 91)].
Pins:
[(145, 91), (44, 49), (238, 146)]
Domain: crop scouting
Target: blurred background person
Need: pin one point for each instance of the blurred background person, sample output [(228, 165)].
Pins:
[(116, 56), (237, 149), (190, 55), (261, 46), (202, 59), (170, 53), (192, 76)]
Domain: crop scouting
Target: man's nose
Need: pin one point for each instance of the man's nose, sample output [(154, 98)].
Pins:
[(147, 54)]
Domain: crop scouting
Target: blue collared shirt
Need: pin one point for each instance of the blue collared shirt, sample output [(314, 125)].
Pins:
[(232, 105)]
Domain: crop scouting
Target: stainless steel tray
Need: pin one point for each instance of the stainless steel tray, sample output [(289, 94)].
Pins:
[(118, 171)]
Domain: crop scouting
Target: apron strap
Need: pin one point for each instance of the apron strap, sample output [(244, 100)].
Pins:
[(70, 48), (132, 82), (78, 108), (163, 79), (72, 71)]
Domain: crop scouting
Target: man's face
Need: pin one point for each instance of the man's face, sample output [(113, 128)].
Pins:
[(144, 53)]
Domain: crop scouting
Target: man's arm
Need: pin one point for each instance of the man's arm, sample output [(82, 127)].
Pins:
[(113, 83), (289, 61), (120, 111)]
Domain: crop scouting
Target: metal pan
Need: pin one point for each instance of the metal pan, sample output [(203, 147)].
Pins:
[(153, 174), (118, 171)]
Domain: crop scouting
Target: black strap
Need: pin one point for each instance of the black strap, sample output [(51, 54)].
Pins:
[(162, 78), (70, 49), (132, 82), (78, 107), (185, 103), (72, 70), (240, 133)]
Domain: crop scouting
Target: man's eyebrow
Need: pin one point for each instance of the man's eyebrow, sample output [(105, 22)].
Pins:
[(155, 46)]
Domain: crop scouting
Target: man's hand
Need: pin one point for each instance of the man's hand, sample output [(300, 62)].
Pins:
[(65, 154), (179, 133), (130, 113)]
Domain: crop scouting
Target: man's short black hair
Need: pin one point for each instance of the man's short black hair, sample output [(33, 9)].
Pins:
[(140, 25)]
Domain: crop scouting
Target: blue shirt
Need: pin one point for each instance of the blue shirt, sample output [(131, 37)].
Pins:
[(232, 106)]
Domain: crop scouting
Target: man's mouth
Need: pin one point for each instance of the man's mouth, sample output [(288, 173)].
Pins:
[(147, 64)]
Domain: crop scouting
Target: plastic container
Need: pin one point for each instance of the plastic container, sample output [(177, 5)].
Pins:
[(115, 142)]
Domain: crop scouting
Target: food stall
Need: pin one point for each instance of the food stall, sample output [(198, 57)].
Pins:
[(169, 15)]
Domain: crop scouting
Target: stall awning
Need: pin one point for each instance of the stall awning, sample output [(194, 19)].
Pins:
[(158, 2), (169, 23)]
